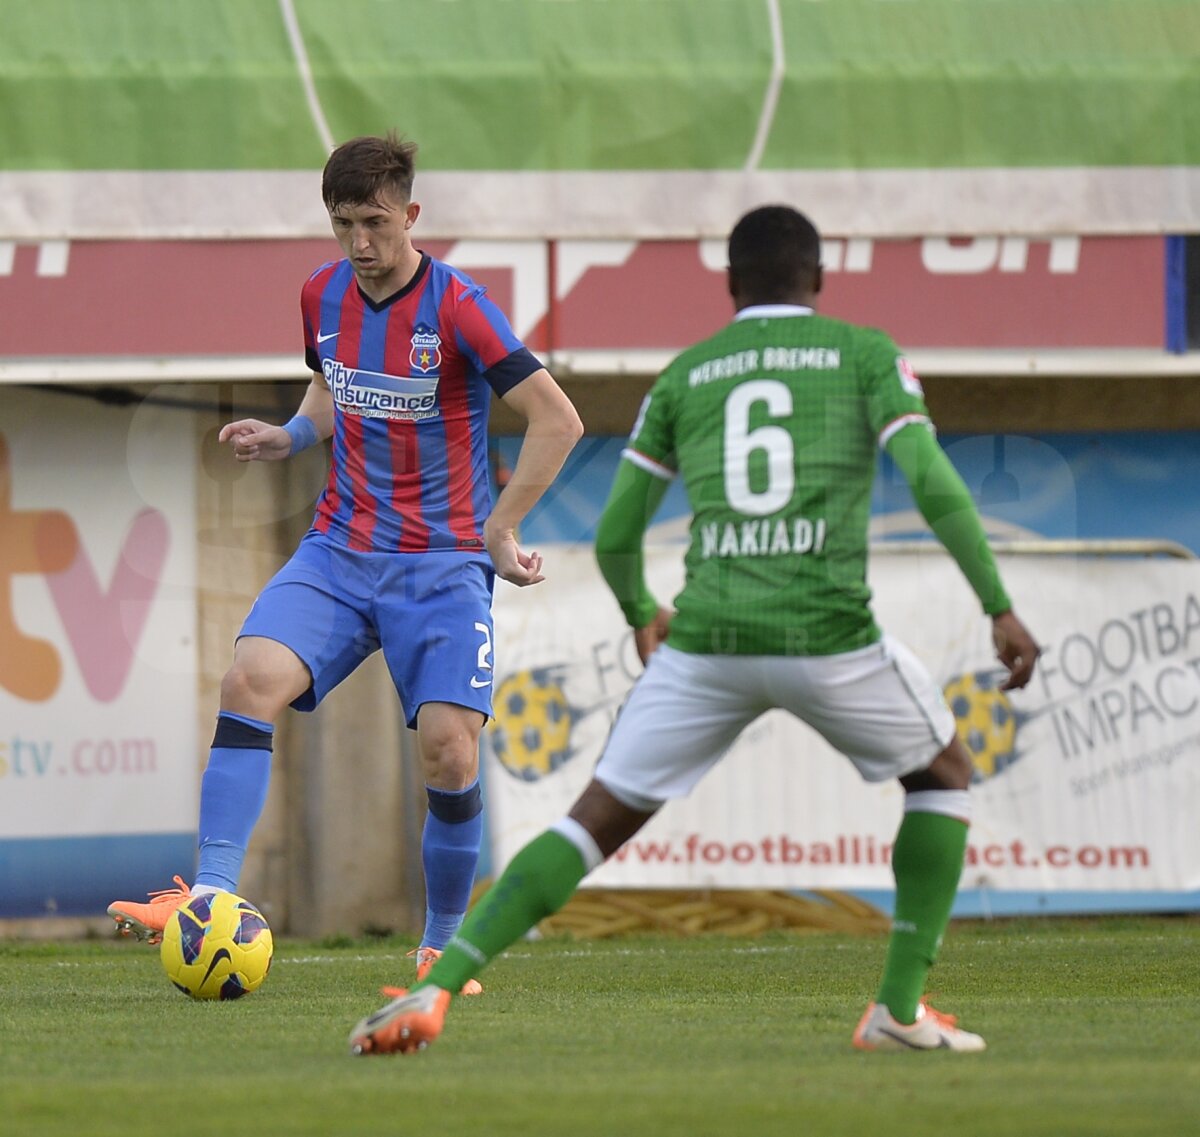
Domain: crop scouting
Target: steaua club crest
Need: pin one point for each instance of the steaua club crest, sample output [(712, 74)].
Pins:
[(426, 353)]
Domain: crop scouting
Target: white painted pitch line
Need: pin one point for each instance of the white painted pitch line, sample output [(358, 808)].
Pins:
[(771, 99), (385, 958), (296, 39)]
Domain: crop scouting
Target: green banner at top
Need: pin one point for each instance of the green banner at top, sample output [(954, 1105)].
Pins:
[(607, 87), (601, 84)]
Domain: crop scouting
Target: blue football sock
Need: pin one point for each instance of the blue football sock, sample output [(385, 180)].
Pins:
[(450, 852), (232, 795)]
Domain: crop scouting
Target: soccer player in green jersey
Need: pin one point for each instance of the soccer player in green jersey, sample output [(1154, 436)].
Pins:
[(773, 424)]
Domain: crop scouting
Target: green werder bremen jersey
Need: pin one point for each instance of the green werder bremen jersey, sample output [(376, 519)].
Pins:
[(774, 425)]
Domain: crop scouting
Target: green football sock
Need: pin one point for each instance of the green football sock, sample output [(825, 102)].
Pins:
[(927, 862), (539, 880)]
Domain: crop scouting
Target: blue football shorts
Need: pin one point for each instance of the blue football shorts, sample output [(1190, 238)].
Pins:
[(430, 613)]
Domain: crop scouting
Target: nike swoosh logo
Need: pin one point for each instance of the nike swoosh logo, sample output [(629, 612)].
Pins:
[(331, 336), (375, 1019), (222, 953), (476, 683), (942, 1043), (384, 1014)]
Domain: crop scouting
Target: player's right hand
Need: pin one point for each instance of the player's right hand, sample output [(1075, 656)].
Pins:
[(1015, 648), (648, 638), (255, 441), (511, 564)]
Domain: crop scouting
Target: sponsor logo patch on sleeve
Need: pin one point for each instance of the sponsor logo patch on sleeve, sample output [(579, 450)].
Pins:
[(908, 377)]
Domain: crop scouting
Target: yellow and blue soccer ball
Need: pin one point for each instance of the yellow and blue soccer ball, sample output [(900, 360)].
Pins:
[(531, 729), (986, 722), (217, 947)]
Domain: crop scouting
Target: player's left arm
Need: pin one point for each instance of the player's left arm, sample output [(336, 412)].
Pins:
[(946, 504), (552, 428), (637, 491)]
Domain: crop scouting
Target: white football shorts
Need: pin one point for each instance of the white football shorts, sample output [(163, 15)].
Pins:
[(878, 706)]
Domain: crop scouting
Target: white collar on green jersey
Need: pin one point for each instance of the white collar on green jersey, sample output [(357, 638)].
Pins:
[(758, 311)]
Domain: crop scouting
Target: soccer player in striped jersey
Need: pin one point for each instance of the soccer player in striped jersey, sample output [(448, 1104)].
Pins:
[(406, 353), (773, 424)]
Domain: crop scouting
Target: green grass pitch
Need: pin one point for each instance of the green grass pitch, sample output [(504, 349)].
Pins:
[(1093, 1029)]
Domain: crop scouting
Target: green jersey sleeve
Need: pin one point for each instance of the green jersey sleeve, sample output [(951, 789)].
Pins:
[(635, 495), (647, 466), (945, 503), (893, 392), (652, 440)]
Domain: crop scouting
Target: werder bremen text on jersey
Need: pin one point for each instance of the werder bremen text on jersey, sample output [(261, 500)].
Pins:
[(770, 359)]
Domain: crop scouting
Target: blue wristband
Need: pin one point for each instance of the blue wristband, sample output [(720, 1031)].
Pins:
[(303, 433)]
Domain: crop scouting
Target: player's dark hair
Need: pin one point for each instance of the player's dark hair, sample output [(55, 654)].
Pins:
[(774, 254), (360, 170)]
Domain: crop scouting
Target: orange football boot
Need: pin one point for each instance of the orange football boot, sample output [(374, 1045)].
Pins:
[(410, 1022), (426, 958), (147, 921), (933, 1030)]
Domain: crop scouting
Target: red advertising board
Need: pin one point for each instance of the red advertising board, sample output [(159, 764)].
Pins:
[(224, 298)]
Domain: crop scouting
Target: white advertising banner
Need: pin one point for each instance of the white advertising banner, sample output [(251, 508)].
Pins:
[(1087, 780), (97, 637)]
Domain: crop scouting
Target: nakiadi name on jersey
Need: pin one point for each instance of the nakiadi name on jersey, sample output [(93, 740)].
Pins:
[(372, 394), (762, 537)]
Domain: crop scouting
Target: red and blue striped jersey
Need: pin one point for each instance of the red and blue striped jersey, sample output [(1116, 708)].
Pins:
[(412, 379)]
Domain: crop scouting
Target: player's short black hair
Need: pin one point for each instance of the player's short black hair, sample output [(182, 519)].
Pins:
[(774, 251), (358, 171)]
